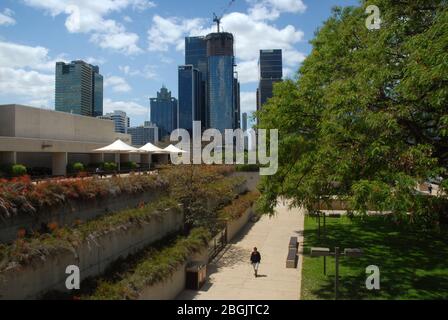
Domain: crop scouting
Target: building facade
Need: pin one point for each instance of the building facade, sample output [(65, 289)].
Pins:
[(79, 89), (244, 122), (196, 55), (220, 80), (189, 96), (270, 71), (141, 135), (120, 119), (164, 112)]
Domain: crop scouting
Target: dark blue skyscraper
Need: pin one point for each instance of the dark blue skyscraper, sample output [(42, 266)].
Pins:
[(164, 112), (79, 88), (196, 55), (270, 72), (221, 83), (189, 96)]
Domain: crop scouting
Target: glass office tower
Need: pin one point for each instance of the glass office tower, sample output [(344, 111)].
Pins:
[(164, 112), (189, 96), (196, 55), (79, 88), (270, 71), (220, 81), (97, 92)]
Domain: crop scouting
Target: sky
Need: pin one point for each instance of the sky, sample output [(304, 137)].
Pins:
[(138, 44)]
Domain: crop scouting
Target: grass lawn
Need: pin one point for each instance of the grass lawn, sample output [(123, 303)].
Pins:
[(413, 264)]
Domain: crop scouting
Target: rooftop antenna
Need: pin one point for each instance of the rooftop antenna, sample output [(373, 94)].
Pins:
[(217, 19)]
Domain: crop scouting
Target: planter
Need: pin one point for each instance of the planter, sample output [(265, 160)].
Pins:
[(72, 211), (92, 257)]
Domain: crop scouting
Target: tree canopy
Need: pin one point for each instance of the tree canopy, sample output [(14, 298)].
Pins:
[(366, 118)]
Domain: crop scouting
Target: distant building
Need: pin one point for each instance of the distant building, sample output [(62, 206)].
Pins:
[(120, 120), (79, 89), (164, 112), (39, 138), (270, 71), (244, 124), (196, 55), (220, 81), (141, 135), (189, 96)]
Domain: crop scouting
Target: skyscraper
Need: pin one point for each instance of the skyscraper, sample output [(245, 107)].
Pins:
[(189, 96), (79, 88), (244, 124), (220, 81), (119, 118), (164, 112), (196, 55), (270, 72)]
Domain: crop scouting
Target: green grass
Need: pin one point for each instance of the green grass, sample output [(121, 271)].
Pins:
[(413, 264)]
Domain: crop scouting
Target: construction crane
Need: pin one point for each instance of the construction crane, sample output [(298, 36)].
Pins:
[(218, 19)]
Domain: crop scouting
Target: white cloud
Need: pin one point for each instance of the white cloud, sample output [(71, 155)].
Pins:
[(148, 71), (86, 16), (6, 18), (248, 101), (247, 71), (29, 87), (117, 84), (95, 61), (130, 107), (272, 9), (165, 32), (251, 35)]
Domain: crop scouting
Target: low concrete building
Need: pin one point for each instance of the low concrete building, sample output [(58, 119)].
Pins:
[(45, 138)]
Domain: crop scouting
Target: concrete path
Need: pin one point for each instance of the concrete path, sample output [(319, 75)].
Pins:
[(231, 275)]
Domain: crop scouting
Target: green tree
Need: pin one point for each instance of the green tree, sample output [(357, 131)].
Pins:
[(366, 118)]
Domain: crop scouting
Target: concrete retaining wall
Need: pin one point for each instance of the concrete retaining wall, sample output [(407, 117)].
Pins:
[(168, 289), (235, 226), (71, 211), (172, 287), (92, 257)]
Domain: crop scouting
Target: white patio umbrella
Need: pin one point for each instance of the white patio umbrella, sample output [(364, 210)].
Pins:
[(117, 147), (173, 149), (149, 147)]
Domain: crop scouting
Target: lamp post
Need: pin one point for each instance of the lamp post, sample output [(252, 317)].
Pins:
[(324, 252)]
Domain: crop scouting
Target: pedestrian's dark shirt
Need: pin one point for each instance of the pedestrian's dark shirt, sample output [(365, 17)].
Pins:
[(255, 257)]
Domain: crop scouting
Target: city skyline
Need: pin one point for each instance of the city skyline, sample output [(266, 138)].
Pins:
[(139, 44)]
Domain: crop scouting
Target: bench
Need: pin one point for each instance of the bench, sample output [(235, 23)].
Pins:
[(291, 259), (293, 243)]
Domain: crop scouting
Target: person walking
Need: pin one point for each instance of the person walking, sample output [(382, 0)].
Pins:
[(430, 188), (255, 259)]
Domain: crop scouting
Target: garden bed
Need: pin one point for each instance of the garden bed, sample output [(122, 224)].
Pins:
[(31, 266), (26, 207)]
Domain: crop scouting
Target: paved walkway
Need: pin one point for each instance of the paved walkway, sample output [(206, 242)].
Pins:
[(231, 275)]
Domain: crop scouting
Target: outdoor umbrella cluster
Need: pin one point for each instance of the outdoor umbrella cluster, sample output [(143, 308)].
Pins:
[(118, 147)]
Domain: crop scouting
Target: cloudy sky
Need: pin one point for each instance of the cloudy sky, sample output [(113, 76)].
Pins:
[(138, 44)]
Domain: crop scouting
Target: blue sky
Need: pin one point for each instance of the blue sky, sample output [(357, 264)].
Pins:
[(138, 44)]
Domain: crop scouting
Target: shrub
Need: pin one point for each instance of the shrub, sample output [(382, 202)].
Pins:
[(248, 167), (23, 251), (18, 170), (110, 166), (21, 196), (236, 209), (153, 265), (78, 167)]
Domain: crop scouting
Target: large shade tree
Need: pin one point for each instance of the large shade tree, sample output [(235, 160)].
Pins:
[(366, 118)]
